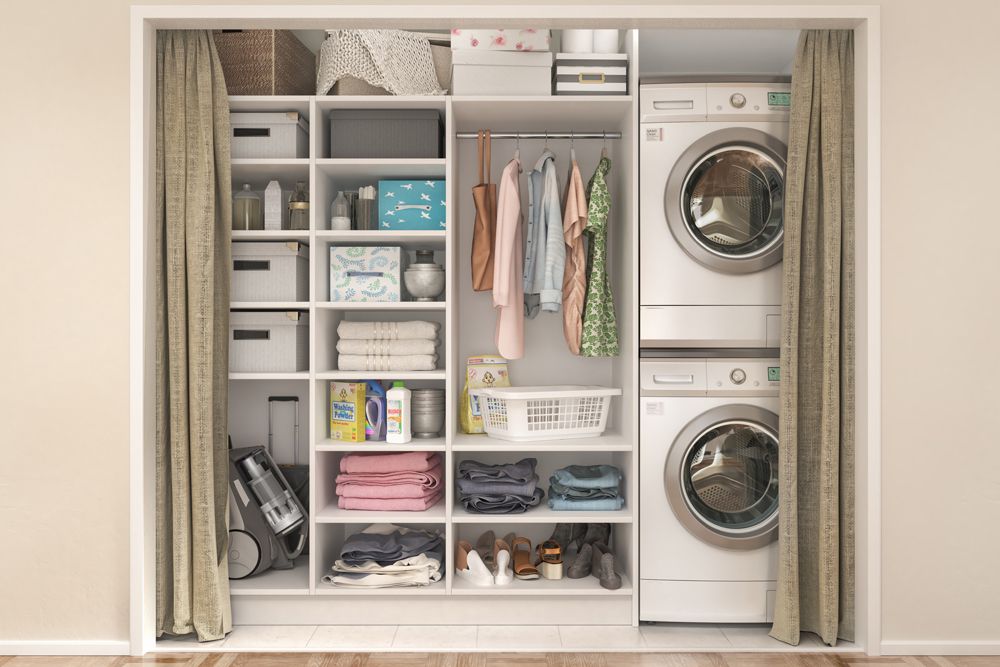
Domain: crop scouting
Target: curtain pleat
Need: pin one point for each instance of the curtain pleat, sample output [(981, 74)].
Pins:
[(193, 208), (816, 458)]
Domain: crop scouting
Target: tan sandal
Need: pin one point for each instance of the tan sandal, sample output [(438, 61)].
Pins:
[(523, 569), (550, 563)]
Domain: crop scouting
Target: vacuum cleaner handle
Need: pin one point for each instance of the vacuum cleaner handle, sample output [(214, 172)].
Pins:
[(271, 400)]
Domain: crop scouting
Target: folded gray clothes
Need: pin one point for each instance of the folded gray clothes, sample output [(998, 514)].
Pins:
[(588, 477), (387, 548), (387, 347), (557, 490), (501, 504), (388, 330), (522, 471), (403, 362), (506, 487)]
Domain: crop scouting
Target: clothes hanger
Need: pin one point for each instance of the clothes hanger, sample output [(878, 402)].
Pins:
[(517, 147), (604, 148), (572, 146)]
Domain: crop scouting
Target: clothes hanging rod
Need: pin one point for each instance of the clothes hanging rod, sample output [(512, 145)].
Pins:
[(543, 135)]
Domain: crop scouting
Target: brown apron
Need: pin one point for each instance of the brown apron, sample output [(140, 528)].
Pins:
[(483, 235)]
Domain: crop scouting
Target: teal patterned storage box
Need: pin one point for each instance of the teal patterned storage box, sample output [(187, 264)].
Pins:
[(366, 273), (411, 205)]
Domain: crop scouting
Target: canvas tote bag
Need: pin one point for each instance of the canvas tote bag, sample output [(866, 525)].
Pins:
[(485, 197)]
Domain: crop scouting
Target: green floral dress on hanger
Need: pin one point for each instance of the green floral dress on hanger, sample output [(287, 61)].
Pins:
[(600, 328)]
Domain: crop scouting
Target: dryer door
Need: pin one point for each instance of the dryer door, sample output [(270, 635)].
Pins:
[(721, 477), (724, 200)]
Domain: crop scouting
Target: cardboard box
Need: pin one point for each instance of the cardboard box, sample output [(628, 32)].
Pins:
[(347, 411), (411, 205)]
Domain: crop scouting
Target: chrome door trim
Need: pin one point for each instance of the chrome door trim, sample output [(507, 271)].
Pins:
[(673, 205), (753, 537)]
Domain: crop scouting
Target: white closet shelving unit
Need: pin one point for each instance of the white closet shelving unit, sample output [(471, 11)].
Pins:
[(298, 596)]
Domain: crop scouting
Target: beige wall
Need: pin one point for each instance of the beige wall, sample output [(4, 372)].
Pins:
[(64, 269)]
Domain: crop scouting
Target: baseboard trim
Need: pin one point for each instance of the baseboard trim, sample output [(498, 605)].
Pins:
[(60, 647), (940, 647)]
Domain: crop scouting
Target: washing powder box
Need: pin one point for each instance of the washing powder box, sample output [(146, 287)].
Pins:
[(411, 205), (366, 273), (591, 74), (347, 411)]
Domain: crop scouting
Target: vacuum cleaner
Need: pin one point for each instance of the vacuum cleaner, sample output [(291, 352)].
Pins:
[(268, 526)]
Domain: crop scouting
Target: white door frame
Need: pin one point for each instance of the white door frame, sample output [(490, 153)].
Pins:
[(863, 19)]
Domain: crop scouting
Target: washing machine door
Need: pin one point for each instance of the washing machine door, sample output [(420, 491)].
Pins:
[(724, 200), (721, 477)]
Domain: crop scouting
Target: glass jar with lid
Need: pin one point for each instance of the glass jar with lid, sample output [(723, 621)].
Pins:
[(247, 210), (298, 208)]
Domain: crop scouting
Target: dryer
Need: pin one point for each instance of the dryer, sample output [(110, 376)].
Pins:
[(712, 188), (708, 462)]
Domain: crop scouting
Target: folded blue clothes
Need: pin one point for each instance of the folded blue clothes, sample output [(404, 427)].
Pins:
[(588, 477), (586, 505), (558, 490), (501, 504), (507, 487)]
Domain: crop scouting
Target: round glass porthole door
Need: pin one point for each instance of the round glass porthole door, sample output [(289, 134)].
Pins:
[(722, 477), (725, 200)]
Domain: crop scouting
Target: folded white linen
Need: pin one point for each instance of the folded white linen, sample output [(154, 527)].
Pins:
[(419, 570), (388, 330), (387, 347), (406, 362)]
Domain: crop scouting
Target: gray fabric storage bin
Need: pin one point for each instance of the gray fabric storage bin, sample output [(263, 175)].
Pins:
[(269, 135), (268, 342), (385, 133), (273, 271)]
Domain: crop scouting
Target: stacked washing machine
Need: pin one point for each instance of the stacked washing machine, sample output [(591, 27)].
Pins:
[(712, 167)]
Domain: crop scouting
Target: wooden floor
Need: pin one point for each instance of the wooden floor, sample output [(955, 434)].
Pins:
[(501, 660)]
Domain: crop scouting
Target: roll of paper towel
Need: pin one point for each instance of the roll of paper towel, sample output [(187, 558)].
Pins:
[(577, 41), (606, 41)]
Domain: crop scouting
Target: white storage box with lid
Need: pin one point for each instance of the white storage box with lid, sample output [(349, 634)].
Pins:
[(591, 74), (272, 271), (269, 134), (478, 72), (545, 413), (268, 342)]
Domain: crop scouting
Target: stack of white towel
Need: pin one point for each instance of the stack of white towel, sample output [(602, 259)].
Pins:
[(387, 346)]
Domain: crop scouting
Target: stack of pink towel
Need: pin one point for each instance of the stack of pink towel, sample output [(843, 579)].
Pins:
[(407, 481)]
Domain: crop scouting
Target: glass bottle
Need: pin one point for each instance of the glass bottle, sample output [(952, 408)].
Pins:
[(247, 213), (298, 207), (340, 218)]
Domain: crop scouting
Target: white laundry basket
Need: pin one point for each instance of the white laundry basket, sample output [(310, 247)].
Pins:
[(545, 413)]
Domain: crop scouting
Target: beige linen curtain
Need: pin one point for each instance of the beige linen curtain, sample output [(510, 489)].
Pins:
[(193, 209), (816, 460)]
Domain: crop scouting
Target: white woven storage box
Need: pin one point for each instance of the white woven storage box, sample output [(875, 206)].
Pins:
[(268, 342), (270, 271), (545, 413), (269, 135)]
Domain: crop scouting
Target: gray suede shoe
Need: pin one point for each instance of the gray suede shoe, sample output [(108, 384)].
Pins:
[(597, 532), (581, 565), (568, 535), (603, 567)]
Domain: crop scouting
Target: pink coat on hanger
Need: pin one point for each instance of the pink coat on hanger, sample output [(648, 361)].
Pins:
[(574, 285), (508, 265)]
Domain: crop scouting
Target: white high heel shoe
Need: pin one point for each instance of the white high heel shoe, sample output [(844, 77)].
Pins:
[(501, 557), (470, 566)]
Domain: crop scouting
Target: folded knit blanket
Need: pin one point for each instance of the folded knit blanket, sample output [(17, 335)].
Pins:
[(390, 485), (387, 330), (371, 346), (390, 504), (406, 362), (386, 463)]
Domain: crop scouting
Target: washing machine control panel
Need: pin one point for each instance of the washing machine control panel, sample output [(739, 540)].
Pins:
[(743, 376)]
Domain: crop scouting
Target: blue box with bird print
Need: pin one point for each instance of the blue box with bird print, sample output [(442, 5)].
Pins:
[(366, 273), (411, 205)]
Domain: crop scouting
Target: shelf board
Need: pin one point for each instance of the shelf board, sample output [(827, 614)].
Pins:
[(415, 445), (270, 235), (541, 514), (269, 305), (275, 582), (327, 102), (437, 588), (609, 442), (301, 375), (382, 375), (333, 514), (578, 113), (409, 240), (382, 305), (298, 103), (359, 169), (259, 172), (588, 585)]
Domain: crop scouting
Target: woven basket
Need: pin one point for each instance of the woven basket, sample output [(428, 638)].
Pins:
[(441, 55), (265, 62)]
